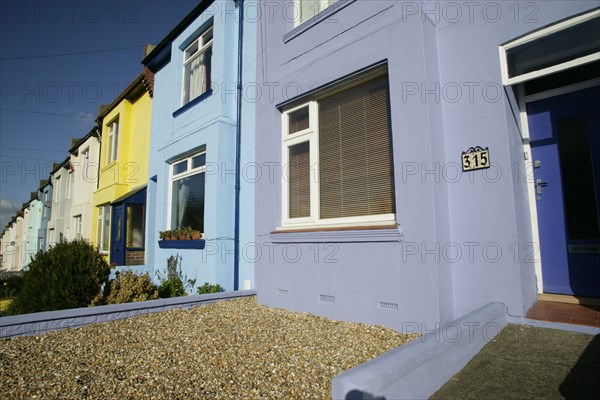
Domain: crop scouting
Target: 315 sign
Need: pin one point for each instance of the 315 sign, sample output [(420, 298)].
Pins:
[(475, 158)]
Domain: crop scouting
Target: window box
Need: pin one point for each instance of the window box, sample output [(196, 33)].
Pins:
[(182, 244)]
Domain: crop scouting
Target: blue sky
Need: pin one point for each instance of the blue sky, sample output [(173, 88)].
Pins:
[(55, 73)]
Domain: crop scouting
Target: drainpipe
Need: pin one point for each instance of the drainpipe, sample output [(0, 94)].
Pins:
[(238, 139)]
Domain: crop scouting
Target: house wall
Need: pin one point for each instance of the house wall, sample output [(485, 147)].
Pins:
[(9, 249), (130, 169), (210, 123), (453, 249), (45, 193), (61, 206), (34, 220), (84, 185)]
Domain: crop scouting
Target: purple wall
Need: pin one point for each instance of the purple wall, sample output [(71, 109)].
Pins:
[(452, 250)]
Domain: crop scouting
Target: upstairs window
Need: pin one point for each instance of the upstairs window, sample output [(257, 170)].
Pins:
[(197, 66), (112, 141), (337, 153), (306, 9), (187, 192)]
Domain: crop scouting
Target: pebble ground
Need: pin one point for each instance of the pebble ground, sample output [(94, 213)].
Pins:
[(234, 349)]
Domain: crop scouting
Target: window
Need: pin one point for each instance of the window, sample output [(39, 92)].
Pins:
[(103, 227), (187, 192), (57, 188), (77, 226), (112, 141), (306, 9), (70, 184), (197, 66), (337, 153), (135, 226), (45, 205), (51, 237), (86, 164)]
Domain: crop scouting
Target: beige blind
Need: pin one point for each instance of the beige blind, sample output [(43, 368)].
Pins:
[(299, 184), (356, 169), (298, 120)]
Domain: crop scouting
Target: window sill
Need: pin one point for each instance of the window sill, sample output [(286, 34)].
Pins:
[(386, 233), (323, 15), (192, 103), (182, 244)]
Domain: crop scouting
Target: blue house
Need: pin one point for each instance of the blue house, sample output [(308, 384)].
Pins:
[(201, 137), (430, 157)]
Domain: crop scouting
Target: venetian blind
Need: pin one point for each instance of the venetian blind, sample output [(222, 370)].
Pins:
[(355, 161), (299, 180)]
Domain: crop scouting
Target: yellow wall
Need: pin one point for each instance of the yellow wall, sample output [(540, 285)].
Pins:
[(130, 169)]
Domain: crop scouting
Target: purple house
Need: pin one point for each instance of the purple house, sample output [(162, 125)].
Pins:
[(421, 159)]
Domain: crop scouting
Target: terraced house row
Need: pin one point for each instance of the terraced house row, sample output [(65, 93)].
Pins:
[(386, 162)]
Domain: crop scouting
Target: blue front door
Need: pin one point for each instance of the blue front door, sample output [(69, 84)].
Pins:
[(117, 235), (565, 142)]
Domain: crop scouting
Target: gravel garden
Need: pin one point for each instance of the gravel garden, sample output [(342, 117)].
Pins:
[(230, 349)]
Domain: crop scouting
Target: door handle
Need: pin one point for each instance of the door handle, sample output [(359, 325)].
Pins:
[(539, 185)]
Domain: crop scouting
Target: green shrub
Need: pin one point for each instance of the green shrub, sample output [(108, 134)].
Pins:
[(69, 275), (10, 286), (128, 287), (172, 280), (171, 288), (208, 288)]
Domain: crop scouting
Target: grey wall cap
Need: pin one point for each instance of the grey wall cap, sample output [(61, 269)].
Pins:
[(418, 369)]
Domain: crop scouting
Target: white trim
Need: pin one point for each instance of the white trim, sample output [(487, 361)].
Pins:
[(173, 178), (202, 48), (563, 90), (533, 217), (324, 4), (551, 70), (506, 80)]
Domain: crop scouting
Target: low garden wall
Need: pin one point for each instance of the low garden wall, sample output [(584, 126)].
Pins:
[(42, 322)]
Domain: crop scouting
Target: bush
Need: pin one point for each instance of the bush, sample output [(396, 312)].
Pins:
[(172, 280), (208, 288), (69, 275), (10, 286), (128, 287), (171, 288)]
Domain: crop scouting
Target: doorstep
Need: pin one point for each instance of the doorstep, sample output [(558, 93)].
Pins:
[(566, 313)]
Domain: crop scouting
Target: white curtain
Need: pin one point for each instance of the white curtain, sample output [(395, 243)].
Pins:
[(197, 77), (183, 193)]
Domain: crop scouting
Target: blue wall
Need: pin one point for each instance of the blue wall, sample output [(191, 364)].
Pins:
[(210, 123), (440, 211)]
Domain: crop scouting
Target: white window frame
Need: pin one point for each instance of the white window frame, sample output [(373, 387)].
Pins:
[(57, 188), (112, 138), (506, 80), (51, 237), (324, 4), (311, 134), (175, 177), (100, 238), (70, 178), (202, 48), (77, 225)]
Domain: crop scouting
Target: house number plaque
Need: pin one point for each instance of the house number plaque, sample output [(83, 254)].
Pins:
[(475, 158)]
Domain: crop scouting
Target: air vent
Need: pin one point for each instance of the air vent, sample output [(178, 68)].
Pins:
[(388, 306), (327, 299), (282, 291)]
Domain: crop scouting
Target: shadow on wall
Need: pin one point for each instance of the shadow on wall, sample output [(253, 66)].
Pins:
[(583, 381), (360, 395)]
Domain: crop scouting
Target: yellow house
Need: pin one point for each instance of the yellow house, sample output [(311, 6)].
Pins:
[(120, 200)]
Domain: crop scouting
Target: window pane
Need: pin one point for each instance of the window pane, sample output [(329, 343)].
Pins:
[(187, 202), (207, 37), (191, 50), (309, 8), (197, 75), (356, 172), (106, 228), (565, 45), (198, 161), (298, 120), (299, 180), (135, 225), (180, 167)]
